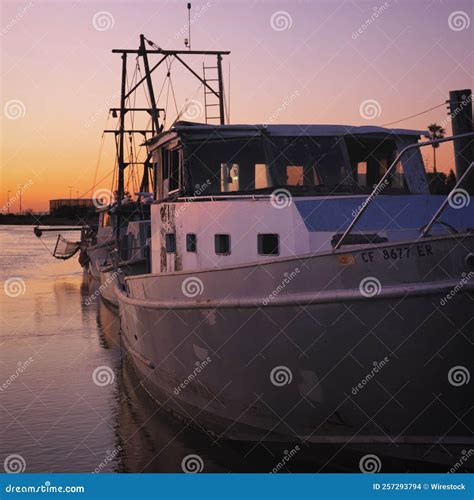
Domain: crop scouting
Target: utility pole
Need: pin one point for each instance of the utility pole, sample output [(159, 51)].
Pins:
[(21, 189), (460, 110), (70, 195), (8, 202)]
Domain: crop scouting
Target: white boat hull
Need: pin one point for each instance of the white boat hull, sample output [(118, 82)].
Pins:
[(322, 358)]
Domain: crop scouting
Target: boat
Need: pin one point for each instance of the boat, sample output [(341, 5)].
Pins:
[(291, 282), (304, 285)]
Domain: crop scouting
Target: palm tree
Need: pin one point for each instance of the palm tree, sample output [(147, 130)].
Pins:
[(436, 132)]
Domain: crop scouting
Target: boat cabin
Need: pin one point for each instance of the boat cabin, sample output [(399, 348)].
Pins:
[(228, 195), (205, 160)]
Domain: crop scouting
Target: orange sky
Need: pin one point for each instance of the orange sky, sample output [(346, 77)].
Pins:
[(59, 76)]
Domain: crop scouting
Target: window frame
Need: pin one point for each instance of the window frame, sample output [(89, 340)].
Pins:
[(167, 240), (229, 244), (194, 243), (268, 234)]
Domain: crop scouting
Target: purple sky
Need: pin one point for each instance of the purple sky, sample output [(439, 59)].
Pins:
[(291, 62)]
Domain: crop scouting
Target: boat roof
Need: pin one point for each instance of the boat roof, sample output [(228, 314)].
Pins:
[(199, 131)]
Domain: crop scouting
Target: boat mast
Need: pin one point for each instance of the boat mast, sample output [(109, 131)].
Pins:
[(154, 111), (121, 159), (151, 93)]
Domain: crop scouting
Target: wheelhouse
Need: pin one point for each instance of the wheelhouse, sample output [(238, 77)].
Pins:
[(193, 160)]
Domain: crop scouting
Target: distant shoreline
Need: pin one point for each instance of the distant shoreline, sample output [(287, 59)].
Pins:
[(44, 220)]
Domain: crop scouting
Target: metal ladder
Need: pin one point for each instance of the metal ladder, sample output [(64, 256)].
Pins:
[(207, 93)]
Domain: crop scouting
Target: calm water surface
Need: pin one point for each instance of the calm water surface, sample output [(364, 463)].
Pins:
[(59, 417), (53, 414)]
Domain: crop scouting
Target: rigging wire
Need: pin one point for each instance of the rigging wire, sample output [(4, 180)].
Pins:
[(99, 155), (415, 115), (96, 184), (183, 108), (172, 87)]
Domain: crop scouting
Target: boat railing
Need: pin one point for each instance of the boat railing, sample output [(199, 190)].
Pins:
[(226, 196), (425, 230), (389, 171)]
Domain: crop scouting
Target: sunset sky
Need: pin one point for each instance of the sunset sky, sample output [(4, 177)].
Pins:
[(59, 76)]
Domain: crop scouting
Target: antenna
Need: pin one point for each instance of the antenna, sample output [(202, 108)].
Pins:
[(187, 41)]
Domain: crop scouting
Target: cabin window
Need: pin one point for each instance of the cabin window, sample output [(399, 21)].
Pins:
[(105, 219), (397, 179), (301, 176), (294, 176), (370, 158), (191, 242), (307, 163), (171, 169), (362, 173), (268, 244), (222, 244), (170, 243), (229, 177), (262, 176)]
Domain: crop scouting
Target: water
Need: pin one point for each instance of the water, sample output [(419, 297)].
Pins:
[(52, 413), (60, 417)]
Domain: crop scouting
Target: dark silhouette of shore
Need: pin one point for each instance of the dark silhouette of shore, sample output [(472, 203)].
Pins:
[(46, 220)]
